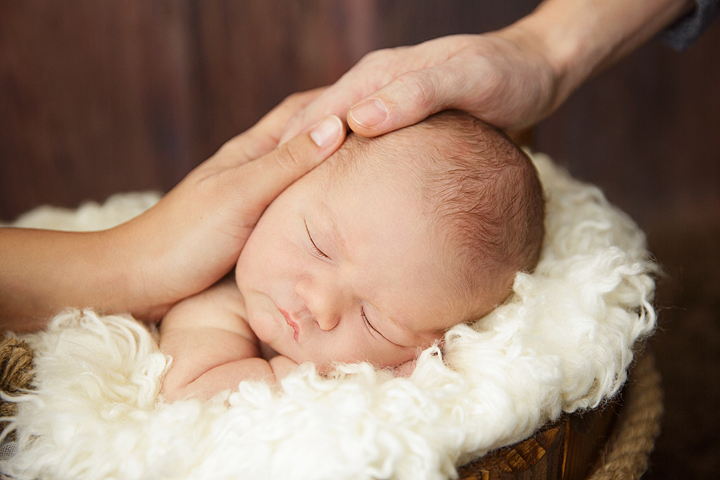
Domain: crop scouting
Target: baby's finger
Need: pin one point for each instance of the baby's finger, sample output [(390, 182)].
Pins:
[(262, 180), (405, 369), (282, 366)]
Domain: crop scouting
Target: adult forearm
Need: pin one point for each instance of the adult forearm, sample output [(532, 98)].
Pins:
[(580, 38), (43, 272)]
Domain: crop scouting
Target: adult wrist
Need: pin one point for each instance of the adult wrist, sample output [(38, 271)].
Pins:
[(133, 285), (569, 52), (580, 38), (108, 262)]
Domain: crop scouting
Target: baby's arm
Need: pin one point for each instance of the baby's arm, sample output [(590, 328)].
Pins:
[(212, 346)]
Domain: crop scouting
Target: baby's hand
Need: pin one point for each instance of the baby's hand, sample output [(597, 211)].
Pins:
[(405, 369), (282, 366)]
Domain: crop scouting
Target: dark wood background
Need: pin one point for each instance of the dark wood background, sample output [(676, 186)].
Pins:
[(104, 97)]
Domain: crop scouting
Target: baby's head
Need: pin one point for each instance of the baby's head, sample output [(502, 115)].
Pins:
[(378, 251)]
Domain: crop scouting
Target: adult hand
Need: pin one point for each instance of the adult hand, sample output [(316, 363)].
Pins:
[(511, 78), (181, 246), (194, 235), (501, 77)]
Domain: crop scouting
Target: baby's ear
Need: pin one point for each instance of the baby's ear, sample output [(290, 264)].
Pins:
[(405, 369)]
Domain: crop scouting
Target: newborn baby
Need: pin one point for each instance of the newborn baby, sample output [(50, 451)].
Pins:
[(372, 256)]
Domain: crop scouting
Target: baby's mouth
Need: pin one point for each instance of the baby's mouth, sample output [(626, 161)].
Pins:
[(293, 324)]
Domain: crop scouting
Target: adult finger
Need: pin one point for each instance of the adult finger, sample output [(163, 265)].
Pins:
[(262, 137), (409, 99), (265, 178), (334, 100), (275, 121)]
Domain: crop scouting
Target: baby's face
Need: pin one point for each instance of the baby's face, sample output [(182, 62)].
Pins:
[(348, 271)]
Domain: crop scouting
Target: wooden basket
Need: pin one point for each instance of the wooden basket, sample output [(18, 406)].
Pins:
[(613, 442)]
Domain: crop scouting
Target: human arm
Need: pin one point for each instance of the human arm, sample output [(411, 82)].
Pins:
[(212, 347), (511, 78), (182, 245)]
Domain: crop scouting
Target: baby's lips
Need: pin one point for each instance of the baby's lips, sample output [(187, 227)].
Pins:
[(292, 322)]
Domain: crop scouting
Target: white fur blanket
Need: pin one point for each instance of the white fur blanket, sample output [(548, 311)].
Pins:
[(562, 342)]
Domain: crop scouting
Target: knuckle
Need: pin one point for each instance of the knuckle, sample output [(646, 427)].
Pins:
[(293, 124), (370, 57), (418, 89), (375, 57), (455, 78), (297, 100), (289, 157), (490, 69), (291, 101)]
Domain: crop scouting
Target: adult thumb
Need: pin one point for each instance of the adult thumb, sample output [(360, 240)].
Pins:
[(407, 100), (265, 178)]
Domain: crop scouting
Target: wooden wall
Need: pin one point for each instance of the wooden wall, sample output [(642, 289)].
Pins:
[(99, 97)]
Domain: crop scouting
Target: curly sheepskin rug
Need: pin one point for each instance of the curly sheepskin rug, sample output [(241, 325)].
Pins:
[(562, 342)]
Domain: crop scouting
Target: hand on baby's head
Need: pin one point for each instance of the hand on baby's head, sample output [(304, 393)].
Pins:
[(372, 257), (378, 251)]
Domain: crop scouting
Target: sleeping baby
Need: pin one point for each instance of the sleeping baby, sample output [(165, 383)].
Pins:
[(370, 257)]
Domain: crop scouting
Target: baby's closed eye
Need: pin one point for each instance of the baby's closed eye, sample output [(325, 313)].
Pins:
[(315, 247)]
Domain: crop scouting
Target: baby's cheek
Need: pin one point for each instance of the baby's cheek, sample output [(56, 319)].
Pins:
[(397, 356)]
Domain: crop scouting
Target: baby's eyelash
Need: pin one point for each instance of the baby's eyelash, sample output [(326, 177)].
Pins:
[(370, 325), (367, 322), (317, 250), (365, 319)]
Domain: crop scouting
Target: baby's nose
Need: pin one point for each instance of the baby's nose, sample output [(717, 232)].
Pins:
[(326, 301), (327, 321), (326, 306)]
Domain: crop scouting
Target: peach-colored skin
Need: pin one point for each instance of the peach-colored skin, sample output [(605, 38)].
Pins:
[(322, 255)]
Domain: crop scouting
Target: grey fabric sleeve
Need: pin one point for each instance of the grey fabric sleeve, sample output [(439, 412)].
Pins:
[(686, 30)]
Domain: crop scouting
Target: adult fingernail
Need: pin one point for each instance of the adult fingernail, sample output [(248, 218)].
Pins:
[(369, 113), (326, 132)]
